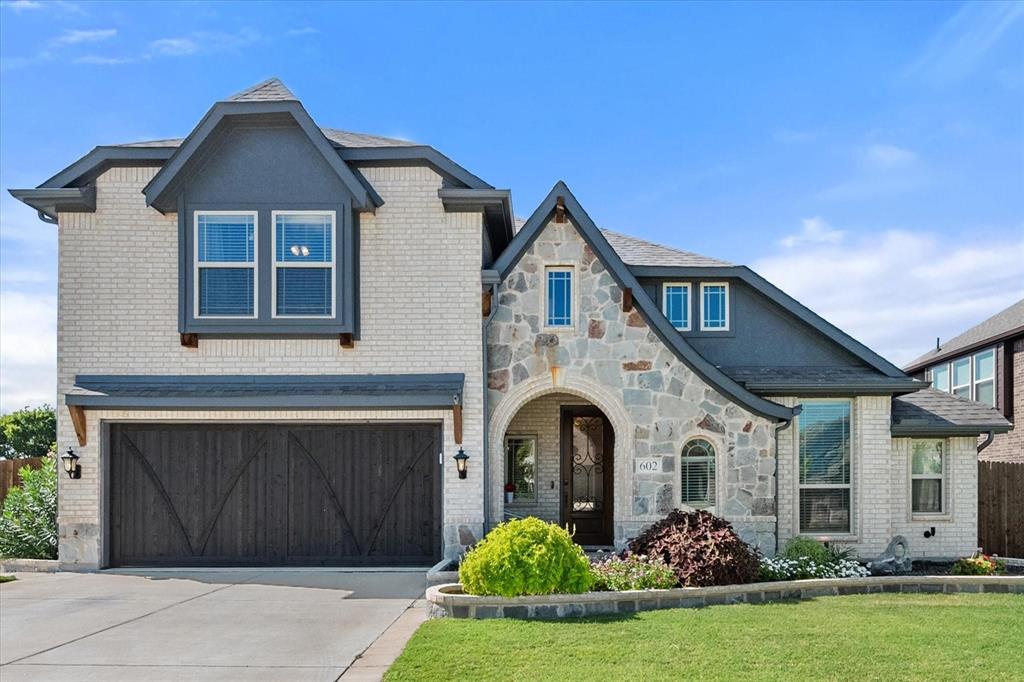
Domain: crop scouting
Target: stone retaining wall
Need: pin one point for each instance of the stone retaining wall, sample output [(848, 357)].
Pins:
[(449, 600)]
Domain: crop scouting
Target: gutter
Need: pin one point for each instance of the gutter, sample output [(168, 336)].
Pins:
[(988, 441), (781, 426)]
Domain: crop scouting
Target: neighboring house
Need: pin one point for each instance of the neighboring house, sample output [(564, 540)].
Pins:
[(274, 338), (986, 364)]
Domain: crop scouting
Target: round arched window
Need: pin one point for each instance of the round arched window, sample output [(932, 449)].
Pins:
[(698, 473)]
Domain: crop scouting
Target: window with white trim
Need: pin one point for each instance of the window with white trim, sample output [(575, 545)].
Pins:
[(825, 468), (559, 308), (697, 471), (225, 264), (927, 473), (714, 306), (521, 467), (304, 262), (675, 303), (971, 376)]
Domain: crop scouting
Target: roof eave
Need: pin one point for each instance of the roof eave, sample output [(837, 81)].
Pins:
[(925, 363), (942, 430), (49, 201)]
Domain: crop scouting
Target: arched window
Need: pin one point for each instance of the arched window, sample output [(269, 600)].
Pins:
[(698, 474)]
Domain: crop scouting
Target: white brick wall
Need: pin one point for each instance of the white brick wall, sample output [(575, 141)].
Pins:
[(420, 312), (881, 488)]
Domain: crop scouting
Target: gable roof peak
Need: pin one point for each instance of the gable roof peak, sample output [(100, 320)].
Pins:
[(270, 90)]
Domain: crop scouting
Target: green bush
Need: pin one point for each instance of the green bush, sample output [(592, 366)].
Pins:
[(28, 525), (701, 549), (635, 572), (526, 556), (808, 548)]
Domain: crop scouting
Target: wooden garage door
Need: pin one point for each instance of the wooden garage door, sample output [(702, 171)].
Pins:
[(273, 494)]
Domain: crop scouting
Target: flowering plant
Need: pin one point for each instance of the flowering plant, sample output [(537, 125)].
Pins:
[(634, 572), (806, 568), (510, 487), (979, 564)]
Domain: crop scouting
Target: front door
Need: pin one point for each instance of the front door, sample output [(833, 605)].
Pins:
[(587, 474)]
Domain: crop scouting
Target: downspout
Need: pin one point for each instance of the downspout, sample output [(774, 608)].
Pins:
[(988, 441), (782, 427), (487, 417)]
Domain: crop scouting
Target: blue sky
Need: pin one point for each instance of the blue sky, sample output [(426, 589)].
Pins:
[(867, 158)]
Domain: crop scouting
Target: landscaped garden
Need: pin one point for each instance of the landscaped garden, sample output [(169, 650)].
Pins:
[(861, 637)]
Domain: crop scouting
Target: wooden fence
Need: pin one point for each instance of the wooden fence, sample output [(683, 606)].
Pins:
[(1001, 508), (9, 472)]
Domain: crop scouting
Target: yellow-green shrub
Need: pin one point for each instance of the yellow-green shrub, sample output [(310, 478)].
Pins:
[(526, 556)]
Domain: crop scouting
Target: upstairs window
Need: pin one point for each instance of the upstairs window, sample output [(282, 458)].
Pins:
[(559, 297), (225, 264), (825, 489), (972, 377), (304, 261), (676, 304), (927, 469), (698, 474), (714, 306)]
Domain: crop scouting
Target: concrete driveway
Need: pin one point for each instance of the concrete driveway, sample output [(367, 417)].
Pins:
[(204, 625)]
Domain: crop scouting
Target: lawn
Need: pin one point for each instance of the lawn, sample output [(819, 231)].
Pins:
[(862, 637)]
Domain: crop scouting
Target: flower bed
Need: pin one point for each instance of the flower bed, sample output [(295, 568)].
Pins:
[(449, 600)]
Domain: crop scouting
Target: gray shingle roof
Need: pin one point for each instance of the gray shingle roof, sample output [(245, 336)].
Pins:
[(808, 380), (635, 251), (346, 139), (1002, 324), (270, 90), (931, 411)]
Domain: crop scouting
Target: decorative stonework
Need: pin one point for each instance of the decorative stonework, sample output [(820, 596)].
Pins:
[(663, 402)]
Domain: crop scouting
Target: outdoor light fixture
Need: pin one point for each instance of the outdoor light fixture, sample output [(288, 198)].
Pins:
[(71, 466), (460, 462)]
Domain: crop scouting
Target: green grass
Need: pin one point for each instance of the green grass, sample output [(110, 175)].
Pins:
[(862, 637), (7, 578)]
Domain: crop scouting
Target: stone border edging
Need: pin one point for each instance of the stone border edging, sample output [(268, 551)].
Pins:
[(29, 565), (449, 600)]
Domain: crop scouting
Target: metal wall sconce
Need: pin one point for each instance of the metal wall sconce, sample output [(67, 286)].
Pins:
[(71, 465), (460, 462)]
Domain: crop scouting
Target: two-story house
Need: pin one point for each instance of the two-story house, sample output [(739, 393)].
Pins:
[(986, 364), (286, 344)]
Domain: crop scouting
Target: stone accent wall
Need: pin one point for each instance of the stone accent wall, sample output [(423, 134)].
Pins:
[(420, 312), (881, 488), (662, 402), (541, 418)]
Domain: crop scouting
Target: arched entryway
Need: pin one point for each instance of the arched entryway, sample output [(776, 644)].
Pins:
[(557, 455)]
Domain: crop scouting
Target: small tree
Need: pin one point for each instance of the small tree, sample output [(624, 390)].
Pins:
[(28, 432), (28, 524)]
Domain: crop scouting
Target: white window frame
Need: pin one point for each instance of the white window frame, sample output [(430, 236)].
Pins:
[(573, 297), (227, 264), (931, 377), (975, 381), (275, 264), (536, 468), (970, 375), (703, 327), (944, 513), (852, 533), (689, 303), (717, 446)]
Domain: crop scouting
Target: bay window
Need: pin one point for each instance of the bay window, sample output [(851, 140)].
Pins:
[(825, 468)]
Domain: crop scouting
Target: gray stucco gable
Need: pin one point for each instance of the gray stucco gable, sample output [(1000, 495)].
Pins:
[(625, 279)]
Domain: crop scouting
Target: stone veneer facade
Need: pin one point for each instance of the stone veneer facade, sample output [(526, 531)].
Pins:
[(654, 401)]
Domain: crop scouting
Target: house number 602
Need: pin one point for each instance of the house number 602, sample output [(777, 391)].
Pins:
[(649, 465)]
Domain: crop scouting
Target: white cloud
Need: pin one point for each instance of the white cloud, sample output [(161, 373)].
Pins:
[(101, 60), (19, 6), (302, 31), (813, 231), (961, 43), (28, 349), (897, 290), (22, 5), (888, 156), (174, 47), (76, 37)]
